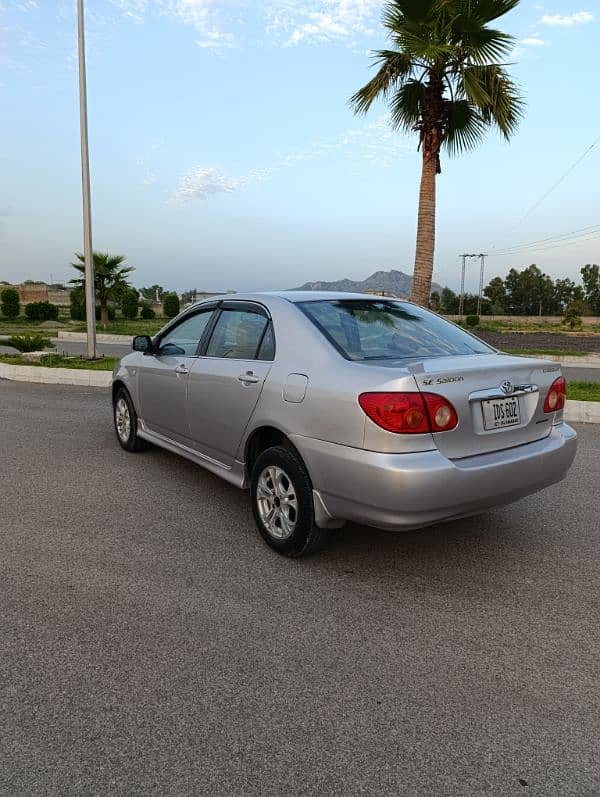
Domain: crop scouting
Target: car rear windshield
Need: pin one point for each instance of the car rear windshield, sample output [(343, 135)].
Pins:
[(387, 330)]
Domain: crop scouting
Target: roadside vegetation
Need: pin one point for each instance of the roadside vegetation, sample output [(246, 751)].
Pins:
[(60, 361), (583, 391)]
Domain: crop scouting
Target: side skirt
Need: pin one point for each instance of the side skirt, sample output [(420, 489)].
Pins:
[(234, 475)]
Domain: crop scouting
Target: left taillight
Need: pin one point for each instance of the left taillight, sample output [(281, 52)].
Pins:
[(409, 413), (556, 396)]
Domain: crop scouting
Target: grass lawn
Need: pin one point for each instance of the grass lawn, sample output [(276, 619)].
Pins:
[(549, 352), (515, 325), (58, 361), (122, 327), (583, 391)]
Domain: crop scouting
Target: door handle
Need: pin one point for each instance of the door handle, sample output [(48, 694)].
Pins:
[(182, 369), (248, 378)]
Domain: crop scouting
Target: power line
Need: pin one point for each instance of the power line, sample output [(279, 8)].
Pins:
[(549, 239), (555, 185), (548, 247)]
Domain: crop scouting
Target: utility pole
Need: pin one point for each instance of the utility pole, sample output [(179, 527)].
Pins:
[(90, 293), (481, 273), (461, 301)]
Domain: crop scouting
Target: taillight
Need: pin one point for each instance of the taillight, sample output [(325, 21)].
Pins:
[(441, 413), (409, 413), (557, 395)]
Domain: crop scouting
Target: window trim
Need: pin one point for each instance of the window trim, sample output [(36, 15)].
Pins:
[(241, 305), (194, 311)]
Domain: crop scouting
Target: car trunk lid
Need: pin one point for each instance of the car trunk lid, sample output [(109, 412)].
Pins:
[(499, 400)]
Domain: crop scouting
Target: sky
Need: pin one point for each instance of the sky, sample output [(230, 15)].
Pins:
[(224, 153)]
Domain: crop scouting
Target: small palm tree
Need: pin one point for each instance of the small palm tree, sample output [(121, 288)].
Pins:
[(444, 80), (109, 279)]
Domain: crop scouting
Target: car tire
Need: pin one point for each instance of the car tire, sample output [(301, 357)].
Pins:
[(282, 503), (126, 422)]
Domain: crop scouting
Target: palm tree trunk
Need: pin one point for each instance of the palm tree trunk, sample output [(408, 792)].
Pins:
[(425, 230), (103, 312)]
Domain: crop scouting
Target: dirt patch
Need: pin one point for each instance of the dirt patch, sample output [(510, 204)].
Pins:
[(589, 344)]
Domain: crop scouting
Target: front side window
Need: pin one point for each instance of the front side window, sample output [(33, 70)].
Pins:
[(184, 339), (388, 329), (237, 335)]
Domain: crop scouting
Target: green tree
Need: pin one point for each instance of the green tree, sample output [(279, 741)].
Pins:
[(153, 294), (444, 79), (591, 286), (496, 293), (129, 304), (530, 292), (9, 302), (109, 279), (449, 302), (146, 312), (171, 305)]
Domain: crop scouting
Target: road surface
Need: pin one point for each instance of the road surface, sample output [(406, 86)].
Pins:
[(152, 644)]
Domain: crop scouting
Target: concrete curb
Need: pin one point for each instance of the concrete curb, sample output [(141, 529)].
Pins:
[(582, 411), (55, 376), (593, 361), (81, 337)]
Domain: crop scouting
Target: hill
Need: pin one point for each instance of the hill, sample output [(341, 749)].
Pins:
[(393, 281)]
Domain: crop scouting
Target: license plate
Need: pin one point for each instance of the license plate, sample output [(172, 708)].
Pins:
[(498, 413)]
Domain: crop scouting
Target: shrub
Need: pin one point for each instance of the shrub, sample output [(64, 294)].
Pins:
[(77, 302), (572, 319), (25, 343), (472, 320), (41, 311), (171, 305), (10, 304), (147, 312), (77, 309), (129, 305)]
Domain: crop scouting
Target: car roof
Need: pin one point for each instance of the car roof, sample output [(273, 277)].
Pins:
[(299, 296)]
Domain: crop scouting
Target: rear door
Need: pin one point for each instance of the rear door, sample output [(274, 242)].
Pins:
[(499, 400), (226, 382)]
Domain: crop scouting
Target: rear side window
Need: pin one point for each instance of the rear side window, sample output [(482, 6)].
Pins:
[(387, 329), (237, 335)]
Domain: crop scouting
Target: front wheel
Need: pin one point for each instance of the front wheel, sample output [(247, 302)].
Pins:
[(282, 503), (126, 423)]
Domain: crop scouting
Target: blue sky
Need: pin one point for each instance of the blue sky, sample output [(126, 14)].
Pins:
[(224, 154)]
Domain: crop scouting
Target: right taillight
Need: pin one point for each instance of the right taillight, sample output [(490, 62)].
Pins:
[(409, 413), (556, 396)]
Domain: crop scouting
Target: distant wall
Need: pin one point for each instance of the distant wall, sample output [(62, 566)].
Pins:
[(34, 292), (59, 297)]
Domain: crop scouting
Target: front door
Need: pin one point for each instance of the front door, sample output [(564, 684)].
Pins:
[(163, 377), (225, 384)]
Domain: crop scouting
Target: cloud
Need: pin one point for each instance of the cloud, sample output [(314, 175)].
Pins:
[(220, 24), (534, 41), (374, 142), (558, 20), (203, 182), (319, 21)]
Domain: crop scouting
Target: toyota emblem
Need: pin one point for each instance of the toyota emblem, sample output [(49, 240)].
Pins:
[(507, 388)]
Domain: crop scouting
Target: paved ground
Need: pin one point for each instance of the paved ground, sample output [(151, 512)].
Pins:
[(151, 644), (581, 374)]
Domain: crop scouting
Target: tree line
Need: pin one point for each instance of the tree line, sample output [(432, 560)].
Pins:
[(529, 292)]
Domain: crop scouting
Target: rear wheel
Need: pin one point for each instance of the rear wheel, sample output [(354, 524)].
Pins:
[(282, 503), (126, 422)]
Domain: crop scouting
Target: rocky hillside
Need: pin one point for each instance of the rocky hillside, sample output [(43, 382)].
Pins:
[(393, 281)]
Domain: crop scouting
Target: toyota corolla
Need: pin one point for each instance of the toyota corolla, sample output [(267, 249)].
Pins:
[(336, 407)]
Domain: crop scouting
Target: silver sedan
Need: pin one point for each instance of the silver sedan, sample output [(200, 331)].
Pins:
[(337, 407)]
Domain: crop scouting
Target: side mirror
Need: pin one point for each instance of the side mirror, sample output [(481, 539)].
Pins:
[(142, 343)]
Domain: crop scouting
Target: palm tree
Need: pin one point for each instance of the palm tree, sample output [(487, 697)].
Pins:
[(109, 279), (444, 79)]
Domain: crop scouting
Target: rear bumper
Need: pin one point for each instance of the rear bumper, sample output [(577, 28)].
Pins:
[(407, 491)]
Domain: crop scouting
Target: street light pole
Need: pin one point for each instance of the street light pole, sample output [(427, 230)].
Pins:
[(90, 293)]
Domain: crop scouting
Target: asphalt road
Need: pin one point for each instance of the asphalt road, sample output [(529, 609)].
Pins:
[(581, 374), (152, 644)]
